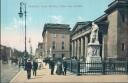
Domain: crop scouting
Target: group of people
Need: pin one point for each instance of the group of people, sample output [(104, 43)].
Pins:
[(61, 66), (29, 65)]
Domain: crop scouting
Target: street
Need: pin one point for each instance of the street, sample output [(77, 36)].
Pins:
[(8, 71), (43, 76), (72, 41)]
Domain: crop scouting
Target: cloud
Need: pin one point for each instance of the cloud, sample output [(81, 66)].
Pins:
[(13, 34), (13, 25), (56, 19), (79, 19)]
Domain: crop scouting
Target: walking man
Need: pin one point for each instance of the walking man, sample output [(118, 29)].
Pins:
[(52, 64), (35, 66), (65, 67), (28, 67)]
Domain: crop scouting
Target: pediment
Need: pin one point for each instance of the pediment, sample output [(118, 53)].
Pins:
[(79, 25)]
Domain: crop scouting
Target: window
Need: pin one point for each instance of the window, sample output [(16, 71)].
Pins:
[(53, 45), (62, 55), (40, 53), (53, 55), (123, 47), (123, 17), (62, 35), (54, 35), (41, 46), (62, 44)]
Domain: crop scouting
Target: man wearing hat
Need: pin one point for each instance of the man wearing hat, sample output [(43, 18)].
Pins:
[(64, 66), (28, 68)]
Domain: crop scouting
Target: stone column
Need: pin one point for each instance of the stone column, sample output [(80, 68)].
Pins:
[(78, 49), (86, 45), (78, 56), (72, 49), (82, 41), (104, 47), (75, 48)]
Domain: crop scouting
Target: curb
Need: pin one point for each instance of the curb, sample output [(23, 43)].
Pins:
[(15, 76)]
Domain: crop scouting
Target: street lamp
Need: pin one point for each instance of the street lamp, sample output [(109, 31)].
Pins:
[(21, 14)]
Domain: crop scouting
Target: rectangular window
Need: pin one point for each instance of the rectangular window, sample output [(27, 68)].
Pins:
[(40, 53), (62, 45), (123, 47), (41, 46), (123, 17), (62, 55), (54, 35), (54, 55), (62, 36), (53, 45)]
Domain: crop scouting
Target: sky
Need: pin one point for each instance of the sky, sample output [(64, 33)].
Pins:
[(40, 12)]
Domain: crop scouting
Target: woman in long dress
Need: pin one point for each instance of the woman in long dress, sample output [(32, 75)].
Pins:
[(59, 68)]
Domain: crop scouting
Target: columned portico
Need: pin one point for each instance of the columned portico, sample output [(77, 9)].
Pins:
[(80, 41)]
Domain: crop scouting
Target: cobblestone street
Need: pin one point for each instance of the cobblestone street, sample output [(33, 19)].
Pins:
[(44, 76)]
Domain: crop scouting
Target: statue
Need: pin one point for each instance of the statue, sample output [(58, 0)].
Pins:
[(94, 33), (93, 53), (94, 46)]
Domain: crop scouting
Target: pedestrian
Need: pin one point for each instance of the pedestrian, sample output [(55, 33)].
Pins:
[(65, 67), (52, 65), (28, 67), (35, 67), (19, 64), (59, 68)]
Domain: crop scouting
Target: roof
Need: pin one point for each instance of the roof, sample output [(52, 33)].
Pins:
[(55, 26), (58, 26), (115, 4), (79, 25), (101, 18)]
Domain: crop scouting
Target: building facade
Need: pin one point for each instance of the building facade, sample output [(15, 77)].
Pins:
[(113, 33), (80, 39), (39, 51), (56, 40)]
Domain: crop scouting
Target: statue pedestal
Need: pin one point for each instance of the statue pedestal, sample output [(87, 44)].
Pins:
[(93, 56)]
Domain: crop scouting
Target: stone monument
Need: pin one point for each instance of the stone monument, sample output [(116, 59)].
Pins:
[(93, 52)]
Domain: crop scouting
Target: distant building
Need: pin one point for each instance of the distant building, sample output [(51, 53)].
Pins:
[(56, 40), (39, 50), (8, 53), (113, 33)]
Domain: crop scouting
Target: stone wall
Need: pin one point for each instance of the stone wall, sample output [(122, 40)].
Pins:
[(122, 33), (117, 36)]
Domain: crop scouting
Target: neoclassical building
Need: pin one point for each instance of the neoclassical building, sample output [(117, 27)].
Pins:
[(56, 40), (113, 33)]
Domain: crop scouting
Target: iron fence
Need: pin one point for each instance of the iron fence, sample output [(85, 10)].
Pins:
[(82, 68)]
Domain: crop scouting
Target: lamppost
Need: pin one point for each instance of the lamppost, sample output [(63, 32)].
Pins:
[(21, 14)]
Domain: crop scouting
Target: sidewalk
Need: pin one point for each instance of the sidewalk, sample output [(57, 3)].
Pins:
[(43, 76)]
